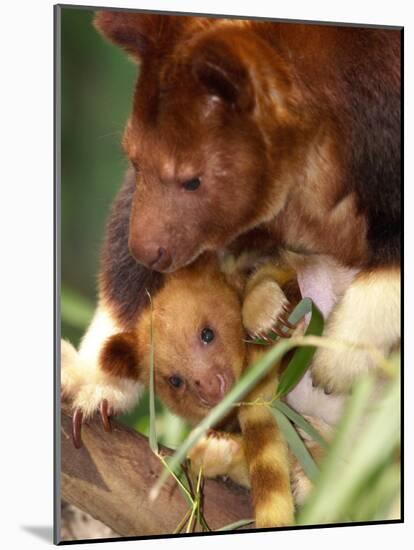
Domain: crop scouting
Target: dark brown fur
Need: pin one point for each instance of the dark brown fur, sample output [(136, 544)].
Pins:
[(123, 282), (120, 358)]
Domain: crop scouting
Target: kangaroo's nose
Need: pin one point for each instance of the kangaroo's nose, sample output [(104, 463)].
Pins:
[(162, 260), (211, 390), (150, 255)]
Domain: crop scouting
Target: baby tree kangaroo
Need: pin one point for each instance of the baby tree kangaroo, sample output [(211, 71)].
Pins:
[(200, 352)]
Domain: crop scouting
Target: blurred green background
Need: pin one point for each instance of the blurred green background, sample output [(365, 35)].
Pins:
[(97, 86)]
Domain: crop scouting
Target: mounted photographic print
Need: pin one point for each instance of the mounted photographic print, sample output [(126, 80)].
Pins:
[(228, 228)]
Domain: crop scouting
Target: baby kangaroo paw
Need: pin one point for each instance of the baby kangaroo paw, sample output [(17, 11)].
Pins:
[(105, 412), (71, 375), (266, 310), (107, 398), (216, 454)]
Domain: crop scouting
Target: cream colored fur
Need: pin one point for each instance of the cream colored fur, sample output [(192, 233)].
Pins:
[(82, 380), (221, 454), (262, 307), (369, 313)]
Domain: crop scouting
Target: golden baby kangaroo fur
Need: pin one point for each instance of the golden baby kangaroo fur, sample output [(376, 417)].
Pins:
[(200, 351)]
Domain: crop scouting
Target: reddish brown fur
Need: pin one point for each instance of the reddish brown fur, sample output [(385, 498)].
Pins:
[(292, 126)]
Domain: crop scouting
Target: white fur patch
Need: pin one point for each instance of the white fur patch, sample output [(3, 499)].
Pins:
[(323, 280), (71, 375), (369, 313), (102, 326), (84, 382), (307, 400)]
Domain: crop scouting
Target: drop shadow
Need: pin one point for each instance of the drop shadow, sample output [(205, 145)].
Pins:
[(43, 532)]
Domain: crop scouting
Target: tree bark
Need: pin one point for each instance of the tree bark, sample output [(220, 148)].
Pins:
[(111, 475)]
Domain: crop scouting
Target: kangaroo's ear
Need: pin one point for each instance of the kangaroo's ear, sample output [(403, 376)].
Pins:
[(139, 34), (119, 356), (218, 65)]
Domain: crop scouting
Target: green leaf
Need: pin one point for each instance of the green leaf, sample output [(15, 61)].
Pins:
[(303, 356), (300, 422), (296, 444), (376, 496), (236, 525), (364, 439)]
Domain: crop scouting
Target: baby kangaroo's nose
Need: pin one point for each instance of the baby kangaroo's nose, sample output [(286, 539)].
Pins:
[(212, 389)]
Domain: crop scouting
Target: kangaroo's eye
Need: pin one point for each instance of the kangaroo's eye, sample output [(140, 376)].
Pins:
[(207, 335), (175, 381), (192, 185)]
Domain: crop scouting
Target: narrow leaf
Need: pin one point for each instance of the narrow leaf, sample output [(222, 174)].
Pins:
[(347, 456), (300, 422), (303, 356), (236, 525), (296, 445)]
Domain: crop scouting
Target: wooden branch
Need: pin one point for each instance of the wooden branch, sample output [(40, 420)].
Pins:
[(111, 475)]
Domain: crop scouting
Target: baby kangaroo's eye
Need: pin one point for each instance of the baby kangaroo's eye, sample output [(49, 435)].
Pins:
[(207, 335), (192, 185), (176, 381)]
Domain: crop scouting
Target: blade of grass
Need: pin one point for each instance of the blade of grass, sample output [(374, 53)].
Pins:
[(236, 525), (179, 478), (296, 444), (182, 522), (196, 504), (377, 497), (300, 422), (350, 461)]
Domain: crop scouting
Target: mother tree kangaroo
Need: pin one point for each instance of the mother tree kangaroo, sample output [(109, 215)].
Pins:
[(243, 126)]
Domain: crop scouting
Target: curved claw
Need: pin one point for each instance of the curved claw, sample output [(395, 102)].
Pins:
[(287, 307), (253, 336), (283, 319), (77, 428), (279, 332), (105, 414)]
